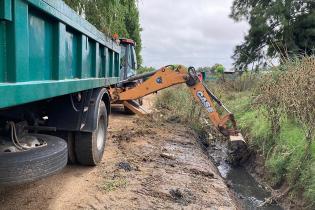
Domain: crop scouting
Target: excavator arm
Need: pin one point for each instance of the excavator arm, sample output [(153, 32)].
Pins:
[(169, 76)]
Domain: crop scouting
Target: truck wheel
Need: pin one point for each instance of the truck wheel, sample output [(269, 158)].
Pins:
[(68, 136), (89, 147), (26, 166)]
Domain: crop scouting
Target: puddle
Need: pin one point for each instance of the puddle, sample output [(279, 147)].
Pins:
[(250, 192)]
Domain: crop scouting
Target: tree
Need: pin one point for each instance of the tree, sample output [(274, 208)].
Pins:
[(112, 16), (278, 29), (218, 70), (217, 67)]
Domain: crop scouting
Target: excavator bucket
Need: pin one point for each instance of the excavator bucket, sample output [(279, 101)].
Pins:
[(237, 138), (239, 150)]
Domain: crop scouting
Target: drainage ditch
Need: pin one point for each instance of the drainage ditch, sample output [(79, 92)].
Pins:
[(251, 194)]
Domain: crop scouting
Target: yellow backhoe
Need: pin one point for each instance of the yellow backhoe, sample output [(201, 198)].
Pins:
[(168, 76)]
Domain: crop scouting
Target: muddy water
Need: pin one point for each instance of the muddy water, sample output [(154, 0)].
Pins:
[(250, 192)]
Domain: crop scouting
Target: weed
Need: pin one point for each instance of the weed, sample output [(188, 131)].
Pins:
[(246, 81), (180, 104), (277, 165), (114, 184)]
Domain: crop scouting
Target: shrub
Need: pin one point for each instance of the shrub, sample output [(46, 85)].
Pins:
[(247, 81), (179, 101), (287, 95), (290, 91)]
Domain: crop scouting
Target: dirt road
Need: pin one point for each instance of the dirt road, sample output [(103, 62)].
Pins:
[(147, 165)]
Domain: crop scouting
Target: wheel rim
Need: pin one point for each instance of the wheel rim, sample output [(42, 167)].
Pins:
[(100, 134), (25, 143)]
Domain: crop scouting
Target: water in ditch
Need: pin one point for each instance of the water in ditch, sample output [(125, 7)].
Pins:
[(250, 192)]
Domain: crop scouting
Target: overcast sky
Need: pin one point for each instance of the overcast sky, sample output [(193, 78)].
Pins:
[(190, 32)]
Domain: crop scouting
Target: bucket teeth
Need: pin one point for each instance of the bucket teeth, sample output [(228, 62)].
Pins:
[(238, 137)]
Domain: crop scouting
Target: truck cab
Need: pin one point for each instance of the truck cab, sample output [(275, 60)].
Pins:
[(128, 59)]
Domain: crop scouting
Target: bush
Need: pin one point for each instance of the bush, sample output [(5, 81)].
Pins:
[(286, 99), (245, 82), (290, 90), (277, 165)]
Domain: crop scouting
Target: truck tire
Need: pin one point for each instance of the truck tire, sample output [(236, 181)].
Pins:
[(27, 166), (68, 136), (90, 146)]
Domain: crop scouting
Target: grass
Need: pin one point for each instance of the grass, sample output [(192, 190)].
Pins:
[(114, 184), (180, 104)]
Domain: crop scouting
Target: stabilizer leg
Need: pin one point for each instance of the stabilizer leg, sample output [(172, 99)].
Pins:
[(135, 107)]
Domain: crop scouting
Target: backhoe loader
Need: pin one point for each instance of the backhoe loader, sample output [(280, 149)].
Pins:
[(169, 76)]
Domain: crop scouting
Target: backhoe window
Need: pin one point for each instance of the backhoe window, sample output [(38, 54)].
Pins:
[(123, 56), (134, 59), (129, 57)]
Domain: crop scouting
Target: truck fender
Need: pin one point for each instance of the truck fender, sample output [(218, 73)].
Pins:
[(89, 121)]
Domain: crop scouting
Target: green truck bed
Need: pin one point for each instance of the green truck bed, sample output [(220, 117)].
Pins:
[(47, 50)]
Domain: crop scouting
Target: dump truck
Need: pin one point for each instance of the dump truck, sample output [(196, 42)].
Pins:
[(59, 76)]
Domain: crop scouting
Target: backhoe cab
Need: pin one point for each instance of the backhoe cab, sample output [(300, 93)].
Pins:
[(128, 60)]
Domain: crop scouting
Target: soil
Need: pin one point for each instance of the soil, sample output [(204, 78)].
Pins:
[(147, 164)]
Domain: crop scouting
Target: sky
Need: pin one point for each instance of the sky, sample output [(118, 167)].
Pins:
[(189, 32)]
